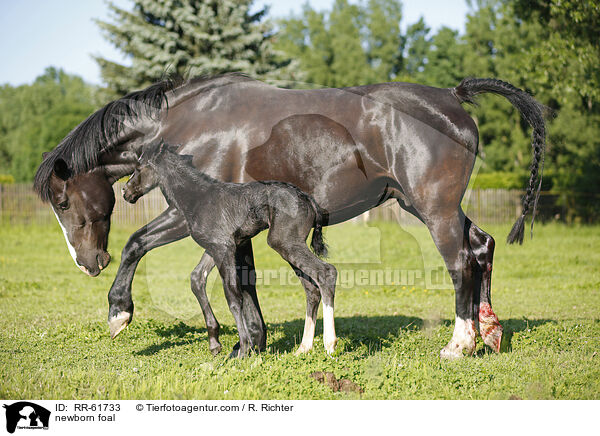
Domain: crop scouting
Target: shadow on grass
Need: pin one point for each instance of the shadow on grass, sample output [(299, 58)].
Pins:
[(357, 331), (178, 335)]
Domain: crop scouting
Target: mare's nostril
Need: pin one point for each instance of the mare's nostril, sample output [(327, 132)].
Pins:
[(103, 260)]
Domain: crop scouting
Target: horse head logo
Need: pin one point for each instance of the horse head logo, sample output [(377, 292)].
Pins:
[(24, 414)]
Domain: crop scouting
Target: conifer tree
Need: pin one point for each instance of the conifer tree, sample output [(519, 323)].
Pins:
[(187, 37)]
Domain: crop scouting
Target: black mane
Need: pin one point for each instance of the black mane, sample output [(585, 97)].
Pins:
[(97, 134)]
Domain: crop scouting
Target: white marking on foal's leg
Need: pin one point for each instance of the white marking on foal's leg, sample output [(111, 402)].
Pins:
[(307, 336), (463, 340), (329, 337), (69, 246)]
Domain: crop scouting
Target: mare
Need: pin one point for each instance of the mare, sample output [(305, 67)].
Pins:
[(413, 143)]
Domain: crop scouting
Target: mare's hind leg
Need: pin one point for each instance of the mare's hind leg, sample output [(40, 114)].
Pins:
[(482, 247), (198, 282), (450, 234)]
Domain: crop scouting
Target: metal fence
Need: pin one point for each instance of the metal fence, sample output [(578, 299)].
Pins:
[(19, 204)]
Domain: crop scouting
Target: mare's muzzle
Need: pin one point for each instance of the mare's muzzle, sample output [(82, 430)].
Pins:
[(92, 265)]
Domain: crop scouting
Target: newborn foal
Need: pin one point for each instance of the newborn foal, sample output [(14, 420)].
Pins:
[(221, 216)]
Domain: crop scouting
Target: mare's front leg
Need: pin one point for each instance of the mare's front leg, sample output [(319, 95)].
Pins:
[(166, 228), (198, 281)]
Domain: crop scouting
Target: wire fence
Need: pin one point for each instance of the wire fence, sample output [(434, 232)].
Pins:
[(19, 204)]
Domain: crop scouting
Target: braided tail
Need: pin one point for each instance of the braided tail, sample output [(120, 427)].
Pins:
[(533, 112)]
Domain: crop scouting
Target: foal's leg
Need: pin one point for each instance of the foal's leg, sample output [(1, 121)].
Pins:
[(450, 234), (198, 282), (225, 259), (482, 247), (322, 274), (257, 329), (313, 298)]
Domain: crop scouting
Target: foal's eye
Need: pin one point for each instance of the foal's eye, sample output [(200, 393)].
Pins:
[(63, 205)]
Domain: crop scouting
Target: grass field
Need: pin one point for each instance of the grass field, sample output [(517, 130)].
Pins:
[(55, 344)]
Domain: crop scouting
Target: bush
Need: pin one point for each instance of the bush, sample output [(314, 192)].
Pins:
[(6, 179), (509, 180), (500, 180)]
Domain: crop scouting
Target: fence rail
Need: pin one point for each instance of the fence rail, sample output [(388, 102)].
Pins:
[(19, 204)]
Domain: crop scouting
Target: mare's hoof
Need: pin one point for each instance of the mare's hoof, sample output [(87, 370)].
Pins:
[(449, 354), (117, 323), (454, 350), (216, 349)]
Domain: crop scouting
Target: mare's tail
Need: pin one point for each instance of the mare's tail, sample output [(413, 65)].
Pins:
[(533, 112)]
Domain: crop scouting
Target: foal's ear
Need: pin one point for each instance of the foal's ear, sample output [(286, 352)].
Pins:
[(61, 169), (164, 146)]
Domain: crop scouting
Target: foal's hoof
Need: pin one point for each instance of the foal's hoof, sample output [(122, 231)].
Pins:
[(117, 323), (330, 346), (302, 349), (235, 353)]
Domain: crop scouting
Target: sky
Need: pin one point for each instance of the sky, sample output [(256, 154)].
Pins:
[(35, 34)]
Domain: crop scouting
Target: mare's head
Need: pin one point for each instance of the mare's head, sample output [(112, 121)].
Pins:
[(83, 204)]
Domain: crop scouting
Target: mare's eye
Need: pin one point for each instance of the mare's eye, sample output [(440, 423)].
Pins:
[(63, 205)]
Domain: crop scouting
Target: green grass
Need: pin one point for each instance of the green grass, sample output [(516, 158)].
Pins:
[(55, 344)]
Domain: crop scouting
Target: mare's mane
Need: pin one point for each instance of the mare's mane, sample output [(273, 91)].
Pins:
[(98, 134)]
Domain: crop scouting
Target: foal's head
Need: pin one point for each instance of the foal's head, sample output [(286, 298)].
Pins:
[(144, 177)]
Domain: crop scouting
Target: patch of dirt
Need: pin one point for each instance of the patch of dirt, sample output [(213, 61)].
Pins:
[(341, 385)]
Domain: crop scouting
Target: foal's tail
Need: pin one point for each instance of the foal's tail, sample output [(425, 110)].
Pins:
[(533, 112), (317, 243)]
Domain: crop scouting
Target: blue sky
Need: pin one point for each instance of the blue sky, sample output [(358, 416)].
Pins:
[(35, 34)]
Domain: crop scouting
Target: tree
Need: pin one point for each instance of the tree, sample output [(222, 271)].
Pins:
[(349, 65), (385, 41), (570, 51), (188, 37), (352, 44), (417, 47), (445, 60), (550, 48), (35, 118)]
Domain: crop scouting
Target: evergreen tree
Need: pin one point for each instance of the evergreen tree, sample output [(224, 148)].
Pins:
[(188, 37)]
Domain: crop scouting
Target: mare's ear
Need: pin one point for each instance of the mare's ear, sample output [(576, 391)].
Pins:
[(62, 170)]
